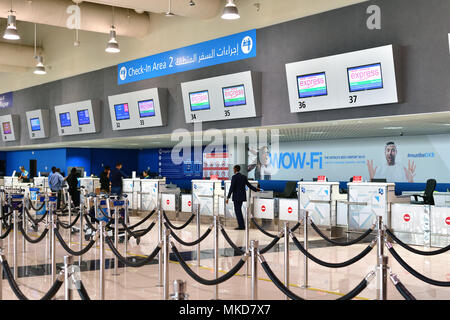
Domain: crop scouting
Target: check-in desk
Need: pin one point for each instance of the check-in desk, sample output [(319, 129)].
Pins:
[(319, 199), (205, 193), (41, 182), (147, 197), (90, 185), (423, 225), (170, 201), (132, 188), (13, 182)]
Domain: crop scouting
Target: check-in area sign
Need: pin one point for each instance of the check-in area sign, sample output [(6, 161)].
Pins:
[(218, 51)]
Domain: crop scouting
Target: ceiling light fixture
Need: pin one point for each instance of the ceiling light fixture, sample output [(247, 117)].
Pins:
[(169, 13), (191, 3), (11, 29), (230, 12), (113, 45), (40, 68), (392, 128)]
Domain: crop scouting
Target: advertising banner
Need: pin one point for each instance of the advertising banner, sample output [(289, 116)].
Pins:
[(396, 159), (6, 100)]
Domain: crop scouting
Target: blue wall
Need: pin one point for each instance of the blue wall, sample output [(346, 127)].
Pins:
[(46, 158), (103, 157), (148, 158), (79, 158)]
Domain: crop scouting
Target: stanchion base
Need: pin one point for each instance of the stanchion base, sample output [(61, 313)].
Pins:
[(159, 286), (305, 287)]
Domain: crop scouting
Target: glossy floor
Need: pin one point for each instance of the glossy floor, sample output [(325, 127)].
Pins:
[(143, 283)]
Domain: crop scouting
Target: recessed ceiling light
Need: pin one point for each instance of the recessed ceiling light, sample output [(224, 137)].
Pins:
[(392, 128), (317, 132)]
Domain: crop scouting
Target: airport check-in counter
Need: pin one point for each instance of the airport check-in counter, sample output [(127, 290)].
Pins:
[(148, 196), (170, 198), (41, 182), (423, 225), (132, 188), (206, 194), (320, 200), (90, 185), (264, 205), (229, 210)]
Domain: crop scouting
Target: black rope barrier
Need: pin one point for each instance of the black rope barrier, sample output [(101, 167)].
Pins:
[(189, 244), (143, 220), (19, 294), (423, 253), (261, 229), (280, 285), (137, 233), (82, 290), (332, 265), (270, 245), (204, 281), (131, 263), (70, 251), (401, 288), (230, 242), (70, 225), (342, 244), (31, 240), (294, 228), (7, 231), (87, 219), (36, 209), (418, 275), (180, 227)]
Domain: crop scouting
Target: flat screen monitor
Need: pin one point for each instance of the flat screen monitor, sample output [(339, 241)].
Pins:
[(122, 111), (312, 85), (35, 124), (234, 96), (368, 77), (64, 119), (146, 108), (6, 127), (199, 100), (83, 117)]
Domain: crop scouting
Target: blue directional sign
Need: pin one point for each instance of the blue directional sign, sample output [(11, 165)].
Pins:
[(227, 49)]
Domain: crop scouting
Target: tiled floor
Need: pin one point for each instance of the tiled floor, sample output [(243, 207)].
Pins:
[(142, 283)]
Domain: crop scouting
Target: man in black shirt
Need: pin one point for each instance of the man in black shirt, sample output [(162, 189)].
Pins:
[(237, 188), (104, 179), (116, 177)]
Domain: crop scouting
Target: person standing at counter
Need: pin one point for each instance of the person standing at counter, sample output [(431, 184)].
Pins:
[(237, 189), (72, 181), (24, 176), (116, 176), (391, 170), (104, 180), (55, 182)]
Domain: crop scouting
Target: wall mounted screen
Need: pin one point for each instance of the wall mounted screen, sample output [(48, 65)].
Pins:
[(35, 124), (122, 111), (312, 85), (146, 108), (234, 96), (199, 100), (7, 127), (64, 119), (368, 77), (83, 117)]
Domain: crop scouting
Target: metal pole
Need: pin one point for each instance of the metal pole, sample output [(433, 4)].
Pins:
[(1, 271), (53, 242), (247, 231), (2, 201), (15, 243), (70, 220), (286, 255), (382, 262), (116, 239), (81, 229), (24, 226), (254, 262), (197, 208), (68, 261), (125, 218), (101, 229), (305, 245), (166, 263), (160, 254), (179, 290), (216, 255)]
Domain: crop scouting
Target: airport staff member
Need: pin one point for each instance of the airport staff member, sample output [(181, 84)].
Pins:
[(237, 188), (24, 174), (104, 180), (55, 182), (116, 177)]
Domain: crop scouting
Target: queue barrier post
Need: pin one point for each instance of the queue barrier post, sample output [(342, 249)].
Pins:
[(305, 245), (52, 200), (68, 263), (70, 218), (216, 255), (382, 262), (254, 263), (1, 271), (24, 226), (116, 237), (197, 208), (286, 256), (101, 230), (160, 254), (179, 290), (166, 263), (15, 218)]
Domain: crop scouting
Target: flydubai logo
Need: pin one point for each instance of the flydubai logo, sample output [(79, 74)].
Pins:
[(247, 45), (123, 73)]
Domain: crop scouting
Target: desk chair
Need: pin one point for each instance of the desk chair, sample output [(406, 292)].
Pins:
[(427, 196)]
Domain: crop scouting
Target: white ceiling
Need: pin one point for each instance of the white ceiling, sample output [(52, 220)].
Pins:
[(407, 125)]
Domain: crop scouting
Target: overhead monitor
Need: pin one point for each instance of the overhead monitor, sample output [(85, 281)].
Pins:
[(7, 127), (312, 85), (64, 119), (35, 124), (234, 96), (146, 108), (199, 100), (367, 77), (83, 117), (122, 111)]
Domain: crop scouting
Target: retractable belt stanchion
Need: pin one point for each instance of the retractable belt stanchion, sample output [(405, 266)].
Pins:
[(17, 204), (247, 230), (286, 256), (70, 219), (166, 263), (86, 201), (52, 200), (382, 262), (117, 205), (101, 229), (160, 239), (68, 262), (197, 208), (125, 221), (216, 255), (305, 245), (24, 226), (1, 271), (2, 201), (254, 262), (179, 290)]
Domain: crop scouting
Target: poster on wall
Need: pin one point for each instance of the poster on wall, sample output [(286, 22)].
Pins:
[(189, 168), (396, 159), (215, 164)]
